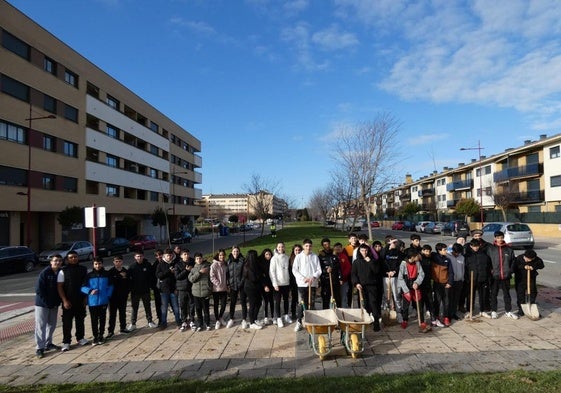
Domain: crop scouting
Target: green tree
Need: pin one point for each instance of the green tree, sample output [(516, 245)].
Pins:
[(71, 216), (234, 219), (410, 209), (468, 207)]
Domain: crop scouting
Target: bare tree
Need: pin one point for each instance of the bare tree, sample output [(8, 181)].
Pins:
[(504, 198), (261, 194), (368, 153), (322, 202), (344, 190)]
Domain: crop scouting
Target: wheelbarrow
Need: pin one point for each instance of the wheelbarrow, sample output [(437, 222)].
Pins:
[(320, 325), (353, 323)]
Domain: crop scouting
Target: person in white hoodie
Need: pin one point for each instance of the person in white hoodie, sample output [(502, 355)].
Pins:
[(280, 278), (306, 269), (219, 287)]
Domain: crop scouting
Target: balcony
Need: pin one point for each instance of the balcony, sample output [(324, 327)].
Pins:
[(405, 197), (451, 203), (519, 172), (527, 196), (460, 185), (426, 192)]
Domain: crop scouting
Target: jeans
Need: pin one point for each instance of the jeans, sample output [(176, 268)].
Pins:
[(167, 299), (45, 325)]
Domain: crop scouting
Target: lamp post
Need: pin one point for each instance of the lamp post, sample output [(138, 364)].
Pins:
[(28, 219), (479, 148)]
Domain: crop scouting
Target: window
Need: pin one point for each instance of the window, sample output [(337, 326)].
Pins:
[(49, 104), (11, 132), (49, 65), (534, 209), (92, 90), (15, 45), (13, 176), (153, 173), (70, 184), (49, 143), (532, 159), (70, 113), (70, 149), (555, 181), (154, 127), (113, 102), (112, 161), (14, 88), (112, 131), (153, 196), (112, 190), (154, 150), (48, 182), (71, 78), (92, 154), (554, 152)]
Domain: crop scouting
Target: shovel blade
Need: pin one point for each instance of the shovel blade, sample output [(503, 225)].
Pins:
[(393, 315), (531, 311)]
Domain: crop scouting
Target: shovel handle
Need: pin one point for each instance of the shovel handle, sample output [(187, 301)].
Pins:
[(528, 282), (418, 306)]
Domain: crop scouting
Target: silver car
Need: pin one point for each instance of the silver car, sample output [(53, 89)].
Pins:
[(517, 234), (83, 248)]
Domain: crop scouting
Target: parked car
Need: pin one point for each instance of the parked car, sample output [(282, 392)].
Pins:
[(433, 227), (408, 226), (112, 246), (375, 224), (456, 228), (84, 249), (17, 258), (352, 224), (397, 226), (420, 227), (143, 242), (180, 237), (517, 234), (247, 227)]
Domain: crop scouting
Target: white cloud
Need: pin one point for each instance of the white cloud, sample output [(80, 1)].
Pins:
[(334, 39), (197, 27), (423, 139)]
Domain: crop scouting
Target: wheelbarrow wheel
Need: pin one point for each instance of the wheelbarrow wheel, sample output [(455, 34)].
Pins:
[(322, 347), (355, 345)]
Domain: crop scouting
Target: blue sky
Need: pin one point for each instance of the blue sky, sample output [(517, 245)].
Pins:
[(266, 84)]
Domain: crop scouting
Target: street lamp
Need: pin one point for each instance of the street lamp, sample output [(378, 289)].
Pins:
[(28, 219), (479, 148)]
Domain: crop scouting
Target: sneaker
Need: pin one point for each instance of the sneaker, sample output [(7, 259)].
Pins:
[(399, 317), (245, 325), (109, 335), (484, 314), (198, 329), (255, 326), (427, 315), (494, 315), (404, 324), (83, 341), (65, 347), (39, 354), (279, 322), (274, 321), (123, 331), (131, 327), (52, 347), (287, 319), (446, 321), (511, 315), (152, 324), (222, 322), (265, 321), (298, 326), (183, 327), (94, 343), (437, 323), (217, 325), (192, 325), (371, 317), (207, 328), (230, 323)]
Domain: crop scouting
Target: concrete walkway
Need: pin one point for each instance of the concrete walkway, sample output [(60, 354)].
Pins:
[(151, 354)]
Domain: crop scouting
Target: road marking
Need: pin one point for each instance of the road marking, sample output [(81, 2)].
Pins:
[(547, 261), (16, 294)]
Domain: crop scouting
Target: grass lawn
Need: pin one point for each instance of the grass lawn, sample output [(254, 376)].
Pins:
[(516, 381)]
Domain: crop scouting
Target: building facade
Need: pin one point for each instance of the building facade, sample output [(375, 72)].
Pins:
[(221, 206), (71, 135)]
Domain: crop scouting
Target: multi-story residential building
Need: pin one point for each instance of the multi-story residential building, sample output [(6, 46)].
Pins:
[(527, 178), (221, 206), (71, 135)]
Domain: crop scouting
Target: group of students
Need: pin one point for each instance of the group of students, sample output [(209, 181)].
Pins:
[(382, 276)]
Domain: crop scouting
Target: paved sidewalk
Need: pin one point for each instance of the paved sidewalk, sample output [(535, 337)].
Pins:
[(151, 354)]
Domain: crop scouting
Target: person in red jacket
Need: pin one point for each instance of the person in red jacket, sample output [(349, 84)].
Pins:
[(345, 266)]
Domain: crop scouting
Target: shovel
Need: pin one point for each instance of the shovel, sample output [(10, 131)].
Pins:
[(530, 310), (333, 304), (361, 304), (386, 312), (471, 285), (393, 313), (423, 327)]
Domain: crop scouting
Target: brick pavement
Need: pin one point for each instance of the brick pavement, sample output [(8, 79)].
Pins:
[(150, 354)]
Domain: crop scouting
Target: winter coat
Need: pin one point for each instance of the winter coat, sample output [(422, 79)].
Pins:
[(480, 264), (202, 287), (121, 285), (367, 273), (279, 270), (520, 271), (235, 272), (328, 259), (46, 292), (218, 276), (74, 277), (442, 270), (502, 260), (182, 282), (141, 277), (306, 266), (98, 280), (458, 266), (165, 272), (405, 280)]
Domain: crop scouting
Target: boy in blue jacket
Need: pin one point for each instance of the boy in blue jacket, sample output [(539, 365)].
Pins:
[(99, 289)]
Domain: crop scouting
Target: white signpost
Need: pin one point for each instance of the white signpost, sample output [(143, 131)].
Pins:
[(94, 218)]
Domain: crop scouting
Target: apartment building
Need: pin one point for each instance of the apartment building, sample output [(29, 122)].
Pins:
[(71, 135), (527, 178), (221, 206)]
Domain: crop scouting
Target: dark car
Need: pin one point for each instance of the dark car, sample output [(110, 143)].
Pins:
[(408, 226), (115, 245), (180, 237), (143, 242), (17, 259), (456, 228), (247, 227)]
